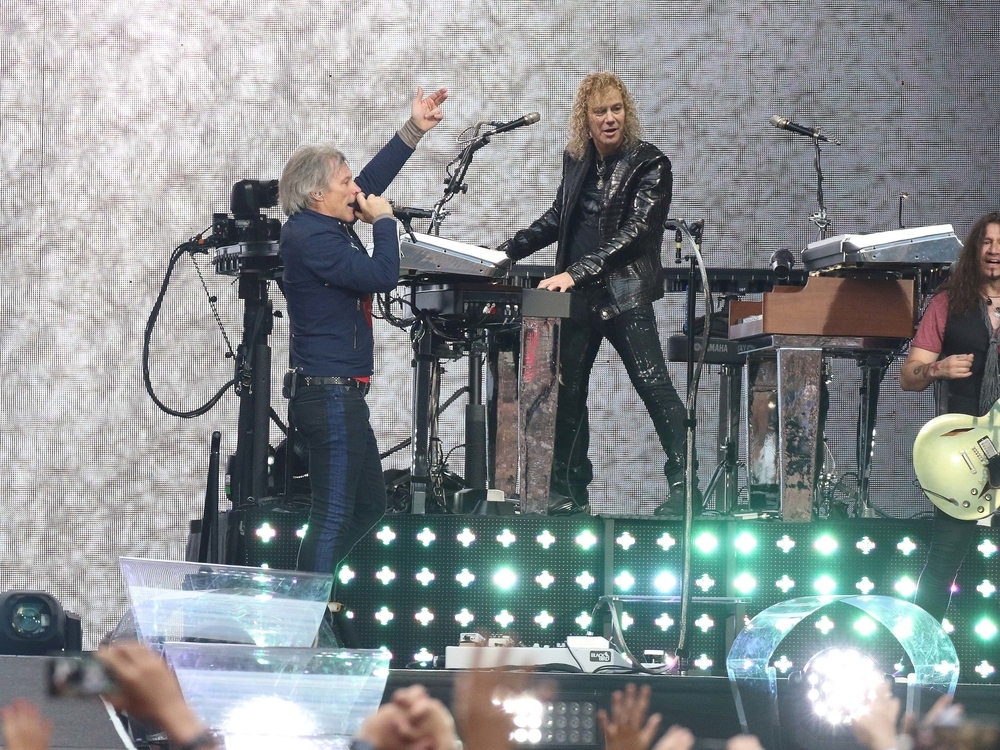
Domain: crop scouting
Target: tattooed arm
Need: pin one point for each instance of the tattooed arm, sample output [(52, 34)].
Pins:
[(922, 367)]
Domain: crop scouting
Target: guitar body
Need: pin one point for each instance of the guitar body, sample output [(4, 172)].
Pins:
[(953, 456)]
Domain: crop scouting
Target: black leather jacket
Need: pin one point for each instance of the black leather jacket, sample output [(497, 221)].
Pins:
[(625, 271)]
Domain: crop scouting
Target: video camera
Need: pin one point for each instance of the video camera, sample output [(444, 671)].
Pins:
[(247, 223)]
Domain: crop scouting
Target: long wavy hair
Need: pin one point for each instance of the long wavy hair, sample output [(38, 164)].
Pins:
[(579, 126), (965, 285)]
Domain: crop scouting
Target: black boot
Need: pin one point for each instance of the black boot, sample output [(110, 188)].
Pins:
[(675, 506), (564, 505)]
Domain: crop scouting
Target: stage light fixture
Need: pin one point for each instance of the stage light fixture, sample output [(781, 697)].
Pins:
[(33, 623), (840, 684), (706, 543), (825, 545), (825, 585), (745, 543), (986, 629)]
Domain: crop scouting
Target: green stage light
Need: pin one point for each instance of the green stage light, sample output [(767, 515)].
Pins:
[(423, 657), (785, 583), (745, 583), (665, 582), (627, 620), (907, 546), (504, 618), (705, 583), (386, 575), (426, 536), (824, 625), (545, 539), (865, 626), (585, 580), (864, 586), (586, 539), (825, 585), (624, 580), (986, 629), (625, 541), (506, 538), (346, 575), (985, 669), (583, 620), (666, 541), (425, 577), (704, 623), (465, 578), (986, 588), (866, 545), (988, 548), (384, 616), (664, 621), (464, 618), (425, 617), (946, 626), (386, 535), (301, 531), (905, 587), (783, 664), (825, 545), (785, 544), (545, 579), (543, 619), (466, 536), (505, 579), (706, 543), (745, 543), (703, 662), (265, 532)]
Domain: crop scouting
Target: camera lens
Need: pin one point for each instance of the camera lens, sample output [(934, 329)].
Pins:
[(31, 617)]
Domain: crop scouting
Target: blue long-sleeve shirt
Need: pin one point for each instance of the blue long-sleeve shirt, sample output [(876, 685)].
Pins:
[(329, 278)]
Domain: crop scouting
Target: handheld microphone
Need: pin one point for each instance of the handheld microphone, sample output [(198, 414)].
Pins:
[(783, 123), (502, 127), (405, 213)]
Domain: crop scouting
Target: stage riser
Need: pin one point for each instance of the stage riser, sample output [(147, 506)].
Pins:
[(629, 545)]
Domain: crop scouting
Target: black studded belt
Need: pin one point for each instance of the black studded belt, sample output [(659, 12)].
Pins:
[(309, 380)]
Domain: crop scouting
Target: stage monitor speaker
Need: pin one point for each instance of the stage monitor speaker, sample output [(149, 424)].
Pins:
[(78, 723)]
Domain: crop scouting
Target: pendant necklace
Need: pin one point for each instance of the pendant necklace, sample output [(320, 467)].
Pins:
[(995, 308), (602, 170)]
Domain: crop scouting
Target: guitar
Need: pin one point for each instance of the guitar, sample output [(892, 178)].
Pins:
[(957, 464)]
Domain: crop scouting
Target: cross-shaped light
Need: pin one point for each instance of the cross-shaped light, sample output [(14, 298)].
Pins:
[(785, 544), (504, 619), (903, 629), (543, 619), (703, 662), (665, 582), (585, 580), (466, 537), (944, 667), (386, 535), (666, 541), (745, 583), (506, 538), (301, 531), (706, 543), (426, 536), (906, 546), (425, 576), (985, 629), (583, 620), (465, 578), (265, 566), (505, 578), (825, 544), (985, 669), (627, 620), (905, 587), (986, 588), (384, 615), (545, 579), (545, 539), (946, 626), (266, 532), (785, 583), (864, 585), (988, 548), (346, 575), (464, 618), (423, 656), (424, 616), (624, 580), (625, 541), (705, 582), (745, 543), (825, 585), (663, 622), (824, 625), (586, 539), (704, 623), (783, 664), (865, 625), (866, 545), (386, 575)]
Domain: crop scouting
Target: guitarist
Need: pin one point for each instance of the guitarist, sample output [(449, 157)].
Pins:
[(956, 349)]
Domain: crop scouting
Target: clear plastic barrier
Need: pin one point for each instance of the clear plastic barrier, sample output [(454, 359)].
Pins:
[(181, 601), (280, 697)]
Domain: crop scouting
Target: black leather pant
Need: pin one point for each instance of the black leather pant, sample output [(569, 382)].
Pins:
[(635, 337), (950, 542)]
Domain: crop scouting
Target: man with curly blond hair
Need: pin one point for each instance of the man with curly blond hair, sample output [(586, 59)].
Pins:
[(608, 221)]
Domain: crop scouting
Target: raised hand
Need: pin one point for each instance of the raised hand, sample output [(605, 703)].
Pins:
[(628, 728), (24, 728), (426, 111)]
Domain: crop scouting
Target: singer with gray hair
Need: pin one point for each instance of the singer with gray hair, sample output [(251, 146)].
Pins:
[(607, 219), (328, 282)]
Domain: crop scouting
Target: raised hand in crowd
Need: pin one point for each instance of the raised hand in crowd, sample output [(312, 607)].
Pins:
[(628, 728), (743, 742), (149, 691), (876, 729), (24, 728), (482, 722), (412, 720)]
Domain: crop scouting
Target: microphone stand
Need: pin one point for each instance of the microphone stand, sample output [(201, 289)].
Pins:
[(820, 218), (455, 183)]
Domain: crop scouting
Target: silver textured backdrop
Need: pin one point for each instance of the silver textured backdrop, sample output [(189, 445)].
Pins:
[(125, 124)]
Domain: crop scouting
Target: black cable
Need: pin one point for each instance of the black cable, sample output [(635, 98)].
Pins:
[(191, 246)]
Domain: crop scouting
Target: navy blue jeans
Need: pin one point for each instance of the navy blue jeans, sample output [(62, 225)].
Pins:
[(635, 337), (348, 490), (950, 542)]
